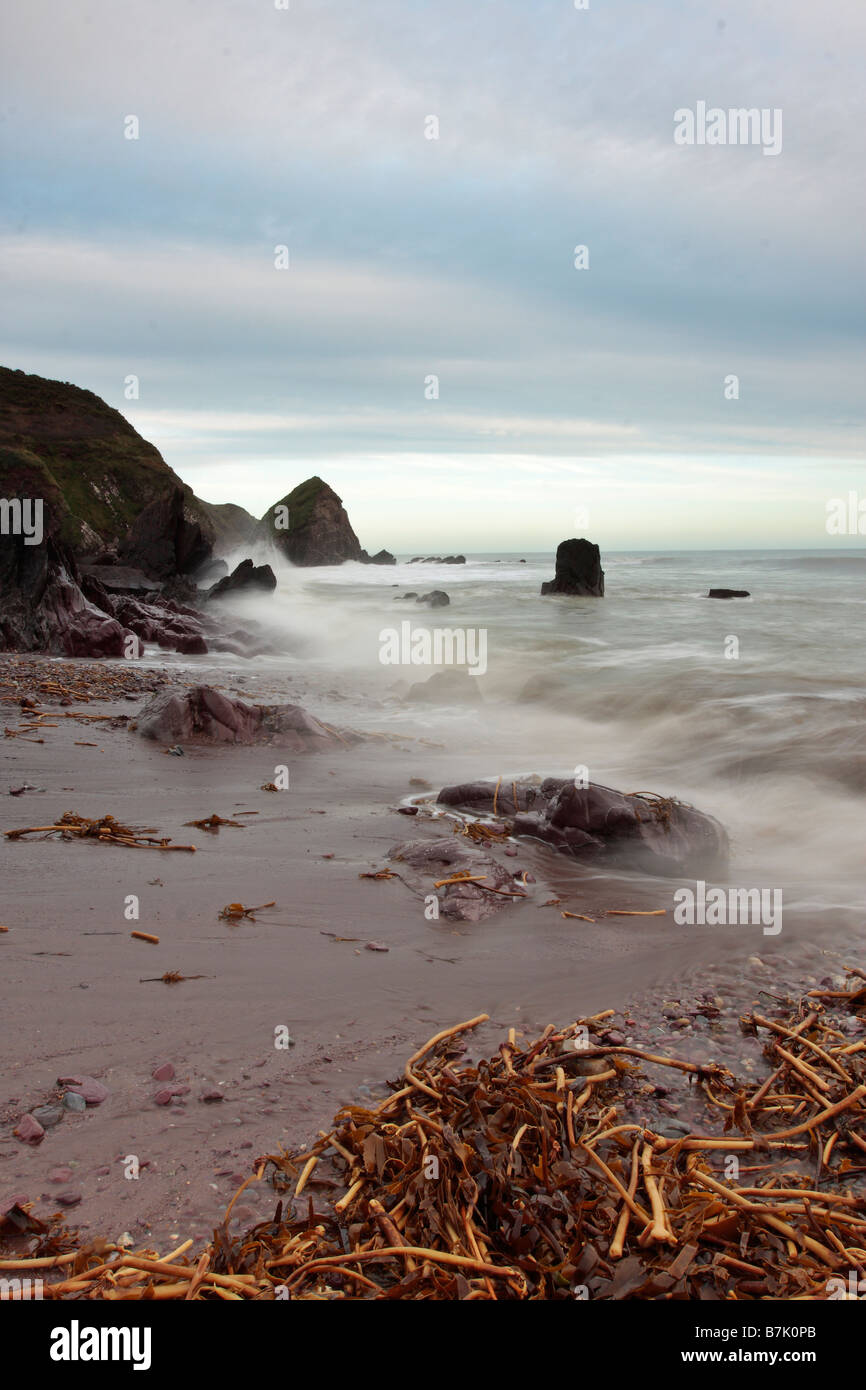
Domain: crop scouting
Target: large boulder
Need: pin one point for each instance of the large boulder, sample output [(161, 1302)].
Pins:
[(578, 570), (245, 577), (658, 835), (382, 557), (310, 526), (202, 715)]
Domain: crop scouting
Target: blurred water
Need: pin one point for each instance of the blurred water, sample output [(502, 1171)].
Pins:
[(637, 686)]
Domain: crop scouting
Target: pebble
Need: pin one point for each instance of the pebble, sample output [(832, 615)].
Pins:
[(165, 1072), (615, 1038), (376, 946), (211, 1095), (16, 1200), (93, 1091), (73, 1101), (103, 1172), (70, 1198), (48, 1115), (30, 1131), (511, 851), (61, 1175), (164, 1097)]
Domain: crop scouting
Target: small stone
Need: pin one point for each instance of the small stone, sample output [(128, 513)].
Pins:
[(93, 1091), (376, 946), (614, 1037), (164, 1097), (680, 1023), (211, 1095), (103, 1172), (48, 1115), (30, 1131), (165, 1072), (61, 1175), (74, 1102), (511, 851), (70, 1198)]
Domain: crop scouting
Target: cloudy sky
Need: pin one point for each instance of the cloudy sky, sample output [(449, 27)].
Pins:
[(589, 400)]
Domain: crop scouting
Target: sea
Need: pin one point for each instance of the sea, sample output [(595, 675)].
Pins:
[(751, 709)]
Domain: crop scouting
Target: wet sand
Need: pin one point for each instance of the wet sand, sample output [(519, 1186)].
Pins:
[(75, 1002)]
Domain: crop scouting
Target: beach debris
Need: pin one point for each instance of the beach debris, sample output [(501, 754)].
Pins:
[(25, 787), (213, 823), (104, 828), (234, 912), (171, 977), (534, 1175), (581, 916), (4, 929), (145, 936), (624, 912), (175, 750), (269, 787), (376, 946)]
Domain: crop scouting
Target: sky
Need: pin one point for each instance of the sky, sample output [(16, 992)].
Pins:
[(594, 400)]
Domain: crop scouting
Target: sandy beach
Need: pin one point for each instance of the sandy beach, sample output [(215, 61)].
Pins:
[(85, 998)]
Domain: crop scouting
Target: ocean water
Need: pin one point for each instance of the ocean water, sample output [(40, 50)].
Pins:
[(754, 709)]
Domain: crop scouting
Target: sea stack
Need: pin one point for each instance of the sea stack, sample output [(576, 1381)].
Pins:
[(578, 570)]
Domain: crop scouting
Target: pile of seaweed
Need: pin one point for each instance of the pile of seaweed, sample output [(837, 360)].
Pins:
[(531, 1175)]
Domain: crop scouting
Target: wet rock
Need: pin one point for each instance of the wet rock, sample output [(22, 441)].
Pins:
[(382, 557), (211, 1095), (658, 835), (70, 1198), (18, 1199), (447, 688), (74, 1102), (61, 1175), (29, 1130), (244, 578), (578, 570), (164, 1096), (164, 1072), (204, 715), (437, 598), (729, 593), (465, 902)]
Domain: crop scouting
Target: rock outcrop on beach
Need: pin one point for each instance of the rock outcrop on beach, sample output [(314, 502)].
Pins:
[(310, 526), (578, 570), (244, 578), (658, 835), (202, 715)]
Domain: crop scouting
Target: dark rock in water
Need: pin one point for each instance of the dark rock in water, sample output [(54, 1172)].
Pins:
[(245, 576), (437, 598), (398, 598), (447, 688), (169, 624), (310, 526), (658, 835), (382, 557), (729, 593), (205, 716), (167, 538), (578, 570)]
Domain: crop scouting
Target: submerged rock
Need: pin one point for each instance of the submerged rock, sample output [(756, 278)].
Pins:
[(729, 593), (437, 598), (205, 716), (578, 570), (658, 835), (447, 688), (463, 902)]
